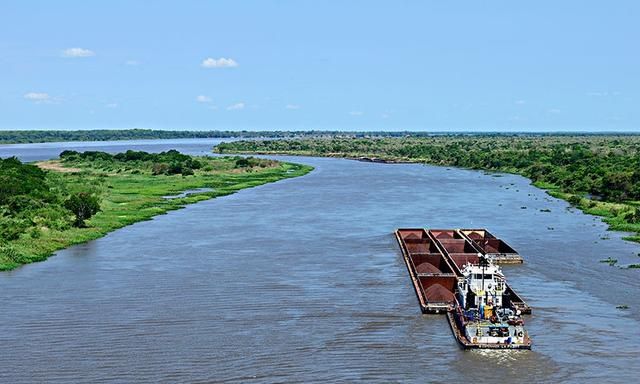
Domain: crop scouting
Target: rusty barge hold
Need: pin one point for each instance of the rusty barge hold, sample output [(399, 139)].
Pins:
[(494, 248), (444, 266)]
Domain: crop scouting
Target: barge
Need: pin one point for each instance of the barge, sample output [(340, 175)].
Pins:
[(461, 250), (494, 248), (432, 274), (483, 311)]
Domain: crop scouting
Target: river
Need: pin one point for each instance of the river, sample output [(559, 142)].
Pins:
[(302, 281)]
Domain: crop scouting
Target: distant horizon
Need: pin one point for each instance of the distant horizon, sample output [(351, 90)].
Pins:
[(479, 132), (346, 66)]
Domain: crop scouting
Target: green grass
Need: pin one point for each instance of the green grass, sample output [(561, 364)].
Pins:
[(129, 197)]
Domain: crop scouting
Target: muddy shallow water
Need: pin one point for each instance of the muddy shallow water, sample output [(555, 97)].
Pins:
[(301, 280)]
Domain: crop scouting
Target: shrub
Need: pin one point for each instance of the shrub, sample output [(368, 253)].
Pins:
[(242, 163), (159, 168), (633, 217), (574, 200), (174, 168), (83, 205)]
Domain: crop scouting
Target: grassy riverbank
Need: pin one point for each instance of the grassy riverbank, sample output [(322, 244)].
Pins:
[(599, 174), (129, 189)]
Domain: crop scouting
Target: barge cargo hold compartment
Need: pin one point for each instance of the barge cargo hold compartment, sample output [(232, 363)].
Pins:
[(434, 279), (496, 249)]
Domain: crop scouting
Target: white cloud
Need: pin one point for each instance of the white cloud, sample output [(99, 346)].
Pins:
[(218, 63), (236, 107), (292, 106), (554, 111), (78, 52), (38, 97), (356, 113), (521, 102), (203, 99), (111, 105), (132, 62), (385, 115)]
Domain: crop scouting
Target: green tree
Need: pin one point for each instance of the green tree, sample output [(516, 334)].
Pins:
[(83, 205)]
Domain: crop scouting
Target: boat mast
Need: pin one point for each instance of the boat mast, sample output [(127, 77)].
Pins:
[(483, 264)]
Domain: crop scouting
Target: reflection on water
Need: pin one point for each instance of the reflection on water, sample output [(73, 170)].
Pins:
[(301, 280)]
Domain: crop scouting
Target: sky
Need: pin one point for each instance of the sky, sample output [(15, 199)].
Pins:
[(327, 65)]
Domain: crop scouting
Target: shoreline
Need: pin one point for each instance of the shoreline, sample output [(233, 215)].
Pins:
[(39, 136), (586, 205), (130, 200)]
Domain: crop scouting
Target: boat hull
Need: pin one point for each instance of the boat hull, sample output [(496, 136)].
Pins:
[(464, 343)]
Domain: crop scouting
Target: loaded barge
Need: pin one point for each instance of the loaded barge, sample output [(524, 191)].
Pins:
[(455, 271)]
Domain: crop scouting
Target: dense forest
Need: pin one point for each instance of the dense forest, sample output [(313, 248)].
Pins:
[(13, 137), (587, 170), (22, 137), (53, 204)]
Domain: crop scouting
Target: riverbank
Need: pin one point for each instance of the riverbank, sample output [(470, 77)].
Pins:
[(129, 192), (597, 174)]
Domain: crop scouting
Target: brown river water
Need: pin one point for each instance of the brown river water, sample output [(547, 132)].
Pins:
[(302, 281)]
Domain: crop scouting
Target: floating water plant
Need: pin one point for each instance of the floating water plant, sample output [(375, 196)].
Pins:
[(609, 261)]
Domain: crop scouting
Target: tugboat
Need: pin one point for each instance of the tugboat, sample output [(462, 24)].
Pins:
[(482, 316)]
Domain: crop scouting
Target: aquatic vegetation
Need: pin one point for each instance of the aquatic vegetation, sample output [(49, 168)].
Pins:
[(609, 261), (42, 211)]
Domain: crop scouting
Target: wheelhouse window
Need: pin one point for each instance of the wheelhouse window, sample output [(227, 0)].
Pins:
[(487, 276)]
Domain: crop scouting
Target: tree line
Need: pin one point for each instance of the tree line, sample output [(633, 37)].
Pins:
[(600, 167), (41, 136)]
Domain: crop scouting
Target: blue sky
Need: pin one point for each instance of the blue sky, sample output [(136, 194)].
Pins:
[(338, 65)]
